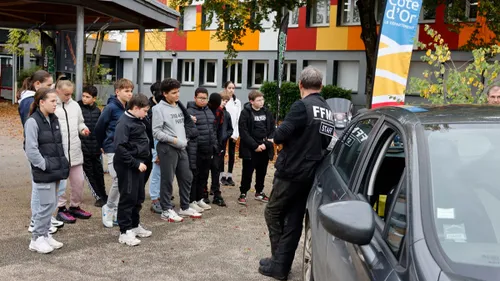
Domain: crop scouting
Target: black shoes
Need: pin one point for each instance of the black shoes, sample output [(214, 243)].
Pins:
[(270, 269)]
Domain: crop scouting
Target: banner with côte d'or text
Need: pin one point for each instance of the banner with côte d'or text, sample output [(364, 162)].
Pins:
[(397, 36)]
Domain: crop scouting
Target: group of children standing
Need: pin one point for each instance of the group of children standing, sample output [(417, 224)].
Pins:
[(140, 137)]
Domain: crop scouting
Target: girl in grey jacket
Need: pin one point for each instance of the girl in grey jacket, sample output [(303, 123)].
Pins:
[(49, 165)]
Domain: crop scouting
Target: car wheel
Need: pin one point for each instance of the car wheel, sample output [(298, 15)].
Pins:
[(307, 261)]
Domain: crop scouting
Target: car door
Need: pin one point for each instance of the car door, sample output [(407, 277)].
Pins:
[(385, 257), (331, 186)]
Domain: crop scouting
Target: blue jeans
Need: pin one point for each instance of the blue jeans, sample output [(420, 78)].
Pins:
[(154, 179)]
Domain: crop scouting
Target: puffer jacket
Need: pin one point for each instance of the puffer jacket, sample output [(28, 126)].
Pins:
[(91, 114), (105, 127), (207, 139), (192, 136), (72, 124)]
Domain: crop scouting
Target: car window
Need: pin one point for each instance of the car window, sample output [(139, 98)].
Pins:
[(396, 220), (352, 145)]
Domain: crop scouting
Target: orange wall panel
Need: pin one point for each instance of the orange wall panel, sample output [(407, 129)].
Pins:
[(133, 41), (354, 42), (250, 42), (198, 40)]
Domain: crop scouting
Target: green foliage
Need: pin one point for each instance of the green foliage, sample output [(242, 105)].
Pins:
[(290, 93), (25, 73), (332, 91), (17, 37), (446, 83)]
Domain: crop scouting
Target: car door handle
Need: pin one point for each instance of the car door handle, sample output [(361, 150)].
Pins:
[(319, 188)]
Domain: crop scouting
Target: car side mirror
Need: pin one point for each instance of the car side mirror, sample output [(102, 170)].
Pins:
[(351, 221)]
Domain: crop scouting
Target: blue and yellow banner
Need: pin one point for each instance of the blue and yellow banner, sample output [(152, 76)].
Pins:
[(397, 35)]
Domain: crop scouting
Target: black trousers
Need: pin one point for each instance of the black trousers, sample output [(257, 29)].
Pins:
[(92, 168), (200, 177), (284, 215), (215, 168), (132, 195), (231, 149), (258, 163), (149, 165)]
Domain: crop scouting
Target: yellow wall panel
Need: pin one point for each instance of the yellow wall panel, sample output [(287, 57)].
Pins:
[(332, 37), (216, 45)]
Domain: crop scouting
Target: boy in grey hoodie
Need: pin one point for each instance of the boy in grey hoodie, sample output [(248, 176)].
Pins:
[(170, 123)]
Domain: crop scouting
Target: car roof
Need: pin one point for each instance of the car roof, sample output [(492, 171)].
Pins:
[(428, 114)]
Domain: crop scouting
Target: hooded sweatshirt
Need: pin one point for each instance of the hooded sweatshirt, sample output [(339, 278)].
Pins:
[(105, 127), (27, 98)]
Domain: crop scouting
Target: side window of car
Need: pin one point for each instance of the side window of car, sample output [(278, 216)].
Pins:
[(396, 221), (352, 145)]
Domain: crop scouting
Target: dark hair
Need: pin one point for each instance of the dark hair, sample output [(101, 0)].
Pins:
[(228, 83), (28, 83), (200, 91), (139, 100), (254, 94), (123, 84), (214, 101), (155, 90), (168, 85), (92, 90), (41, 94)]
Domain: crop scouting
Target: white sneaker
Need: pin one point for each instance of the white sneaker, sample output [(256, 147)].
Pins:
[(195, 207), (53, 242), (107, 216), (40, 245), (190, 212), (203, 205), (129, 238), (171, 216), (56, 223), (52, 228), (141, 232)]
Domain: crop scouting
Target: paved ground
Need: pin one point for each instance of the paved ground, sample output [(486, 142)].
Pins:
[(225, 245)]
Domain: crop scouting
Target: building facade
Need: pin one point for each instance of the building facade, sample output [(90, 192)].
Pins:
[(326, 36)]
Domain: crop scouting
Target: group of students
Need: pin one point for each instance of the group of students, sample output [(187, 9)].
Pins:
[(140, 137), (187, 142)]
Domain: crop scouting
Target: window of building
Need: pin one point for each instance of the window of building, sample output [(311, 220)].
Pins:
[(347, 75), (188, 72), (350, 12), (320, 13), (259, 73), (289, 71), (189, 18), (167, 69), (427, 15), (233, 72), (294, 18), (471, 9), (269, 22), (210, 72), (204, 19)]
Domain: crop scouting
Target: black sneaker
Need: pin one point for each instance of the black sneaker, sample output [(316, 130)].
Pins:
[(230, 182), (242, 199), (99, 203), (219, 201), (274, 271), (223, 181)]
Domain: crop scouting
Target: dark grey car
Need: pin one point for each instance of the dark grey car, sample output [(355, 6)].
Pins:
[(408, 193)]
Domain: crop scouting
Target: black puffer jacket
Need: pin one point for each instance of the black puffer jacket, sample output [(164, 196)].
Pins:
[(207, 138), (91, 114), (192, 136)]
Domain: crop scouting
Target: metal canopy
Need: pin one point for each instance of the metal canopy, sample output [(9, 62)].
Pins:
[(110, 14)]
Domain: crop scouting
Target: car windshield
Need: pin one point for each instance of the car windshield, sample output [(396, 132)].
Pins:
[(465, 184)]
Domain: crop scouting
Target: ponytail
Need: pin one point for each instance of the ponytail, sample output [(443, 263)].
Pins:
[(24, 87), (28, 83)]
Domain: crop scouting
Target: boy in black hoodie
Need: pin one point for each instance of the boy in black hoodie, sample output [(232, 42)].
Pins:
[(256, 127), (92, 165), (132, 151)]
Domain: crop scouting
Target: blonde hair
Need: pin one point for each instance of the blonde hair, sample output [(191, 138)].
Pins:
[(225, 95), (65, 84)]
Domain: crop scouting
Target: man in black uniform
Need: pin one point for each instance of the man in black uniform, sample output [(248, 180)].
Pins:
[(305, 134)]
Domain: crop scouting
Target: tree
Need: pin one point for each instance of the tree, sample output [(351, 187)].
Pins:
[(461, 84), (18, 37)]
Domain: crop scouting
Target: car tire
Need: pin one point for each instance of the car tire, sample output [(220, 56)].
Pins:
[(307, 255)]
